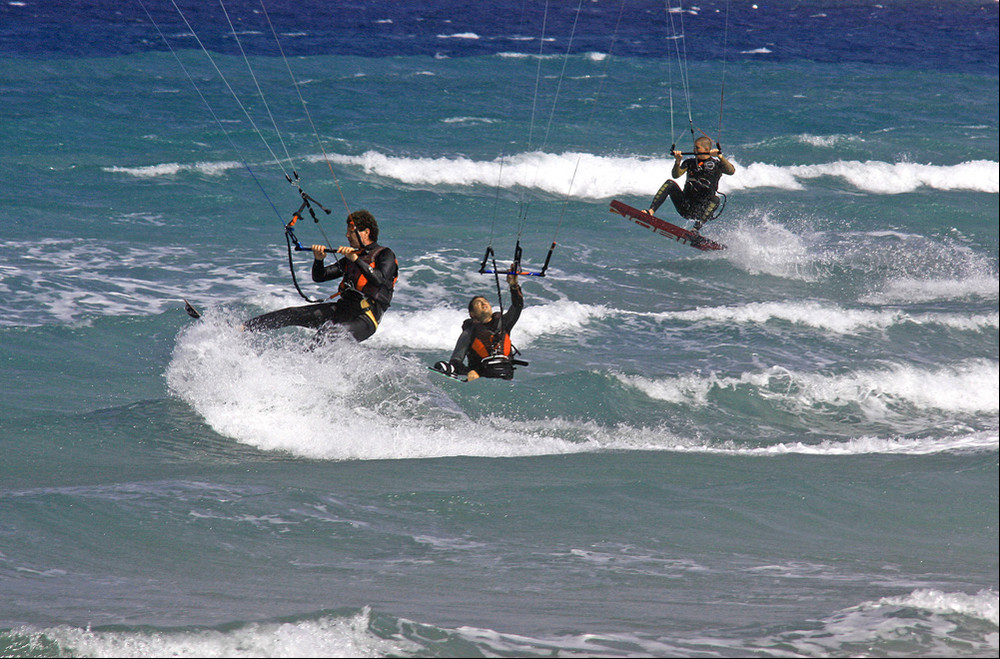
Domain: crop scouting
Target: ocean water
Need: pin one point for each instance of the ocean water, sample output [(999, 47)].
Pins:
[(787, 448)]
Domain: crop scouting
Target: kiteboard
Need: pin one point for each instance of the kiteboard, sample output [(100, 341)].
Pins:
[(453, 376), (665, 228), (189, 308)]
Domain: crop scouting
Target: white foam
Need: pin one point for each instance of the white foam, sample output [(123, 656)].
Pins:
[(172, 169), (591, 176), (910, 289), (889, 627), (538, 56), (325, 637), (348, 401), (970, 386), (98, 278), (343, 401), (984, 605), (468, 120), (828, 141), (459, 35), (602, 177), (829, 317), (870, 629), (439, 328), (896, 178), (972, 443), (583, 174), (768, 248)]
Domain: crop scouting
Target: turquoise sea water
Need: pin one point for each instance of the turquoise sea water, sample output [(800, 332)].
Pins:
[(788, 448)]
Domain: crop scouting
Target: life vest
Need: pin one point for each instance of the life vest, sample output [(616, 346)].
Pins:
[(490, 343), (491, 350), (373, 298), (702, 178), (355, 278)]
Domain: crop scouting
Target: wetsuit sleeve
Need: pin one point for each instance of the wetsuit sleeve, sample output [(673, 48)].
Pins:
[(322, 272), (728, 168), (462, 349), (385, 268), (516, 305)]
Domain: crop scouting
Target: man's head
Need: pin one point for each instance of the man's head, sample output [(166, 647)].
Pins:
[(703, 147), (480, 309), (361, 220)]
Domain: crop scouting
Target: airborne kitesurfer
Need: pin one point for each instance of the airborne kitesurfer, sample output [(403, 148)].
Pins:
[(485, 339), (698, 199), (368, 271)]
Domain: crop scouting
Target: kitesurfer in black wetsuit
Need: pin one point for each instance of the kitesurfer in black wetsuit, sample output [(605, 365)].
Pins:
[(698, 199), (368, 271), (485, 339)]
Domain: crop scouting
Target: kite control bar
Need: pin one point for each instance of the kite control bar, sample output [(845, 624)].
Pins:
[(718, 148), (516, 266), (307, 204)]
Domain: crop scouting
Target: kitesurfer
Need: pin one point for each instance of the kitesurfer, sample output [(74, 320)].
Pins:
[(699, 198), (368, 273), (485, 339)]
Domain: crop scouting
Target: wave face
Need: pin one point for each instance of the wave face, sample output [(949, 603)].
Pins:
[(893, 625), (595, 176), (785, 448)]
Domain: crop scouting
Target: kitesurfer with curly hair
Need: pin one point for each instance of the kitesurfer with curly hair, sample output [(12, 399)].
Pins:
[(368, 273)]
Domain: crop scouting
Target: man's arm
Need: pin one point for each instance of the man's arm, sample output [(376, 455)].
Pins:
[(461, 350), (321, 272), (727, 167), (677, 169), (516, 305)]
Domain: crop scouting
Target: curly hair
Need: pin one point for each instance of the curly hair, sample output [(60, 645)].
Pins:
[(362, 219)]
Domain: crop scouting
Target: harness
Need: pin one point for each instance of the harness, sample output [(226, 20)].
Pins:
[(705, 202), (702, 177), (355, 285), (489, 343), (494, 350)]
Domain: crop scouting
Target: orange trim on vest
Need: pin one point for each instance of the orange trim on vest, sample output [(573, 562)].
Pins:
[(480, 348)]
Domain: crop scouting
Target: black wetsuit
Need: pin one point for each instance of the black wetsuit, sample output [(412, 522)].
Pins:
[(365, 294), (480, 340), (699, 198)]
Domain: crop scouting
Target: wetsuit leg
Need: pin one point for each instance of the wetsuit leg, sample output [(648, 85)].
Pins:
[(672, 190), (703, 213), (688, 208), (313, 316), (358, 328)]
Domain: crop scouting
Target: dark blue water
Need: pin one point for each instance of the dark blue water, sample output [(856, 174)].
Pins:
[(955, 37)]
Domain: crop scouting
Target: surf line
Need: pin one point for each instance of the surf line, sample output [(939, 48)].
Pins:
[(307, 203)]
